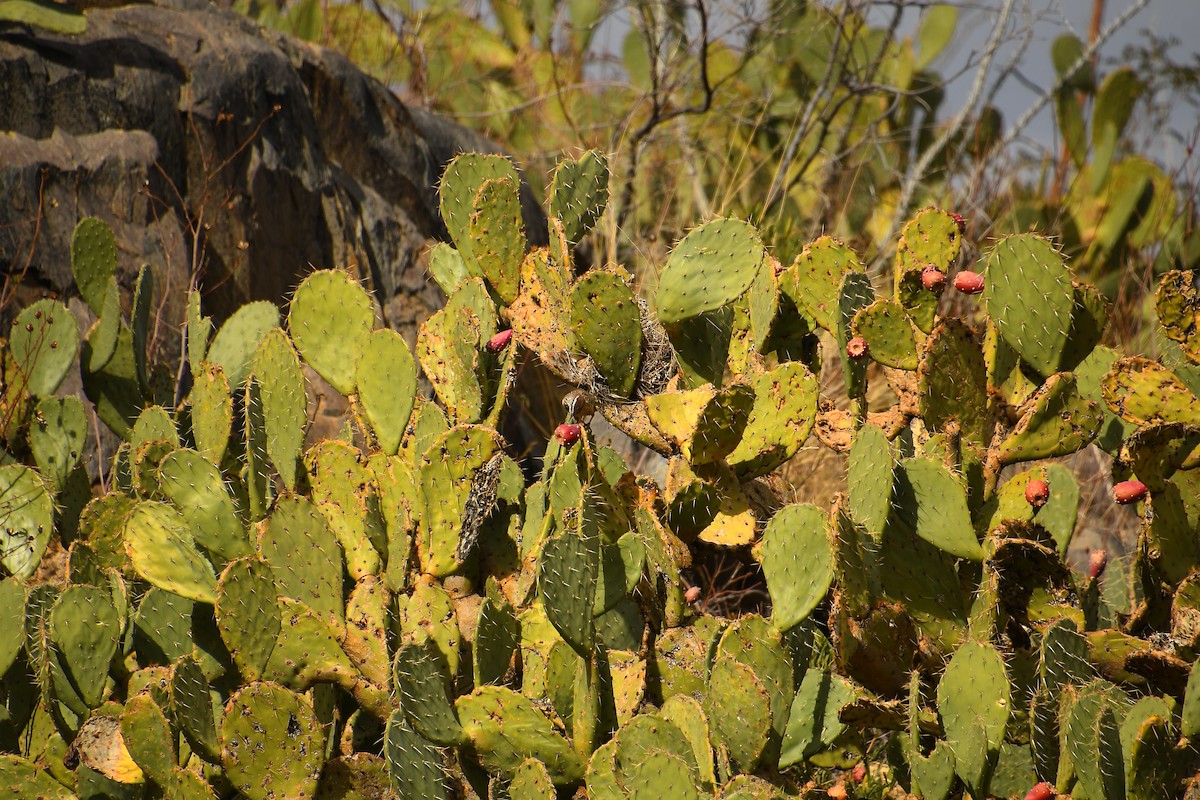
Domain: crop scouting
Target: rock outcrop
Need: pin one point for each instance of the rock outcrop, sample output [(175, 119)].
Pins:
[(223, 155)]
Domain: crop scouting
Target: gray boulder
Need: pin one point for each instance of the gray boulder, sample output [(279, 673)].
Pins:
[(223, 155)]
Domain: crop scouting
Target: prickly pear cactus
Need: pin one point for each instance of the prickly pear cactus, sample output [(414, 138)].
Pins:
[(419, 609)]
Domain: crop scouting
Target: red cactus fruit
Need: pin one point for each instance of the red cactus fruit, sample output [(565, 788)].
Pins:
[(959, 221), (1097, 561), (1127, 492), (1041, 791), (568, 434), (859, 773), (856, 348), (968, 282), (1037, 493), (692, 594), (499, 341), (933, 279)]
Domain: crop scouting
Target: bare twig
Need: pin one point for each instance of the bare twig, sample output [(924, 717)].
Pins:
[(1084, 58), (789, 153), (917, 173), (660, 115)]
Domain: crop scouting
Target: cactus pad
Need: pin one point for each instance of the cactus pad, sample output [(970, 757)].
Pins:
[(889, 333), (606, 322), (797, 562), (28, 514), (93, 260), (387, 386), (44, 341), (272, 744), (708, 269), (579, 193), (1031, 299), (330, 319), (236, 342), (784, 410)]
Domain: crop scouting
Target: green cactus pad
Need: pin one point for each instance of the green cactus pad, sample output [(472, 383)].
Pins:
[(460, 184), (102, 337), (889, 333), (93, 260), (1057, 516), (1178, 310), (421, 681), (57, 437), (933, 503), (449, 269), (309, 650), (706, 423), (531, 781), (85, 628), (974, 701), (758, 644), (26, 782), (236, 342), (12, 622), (687, 714), (28, 514), (148, 736), (1153, 770), (497, 639), (197, 489), (931, 238), (272, 743), (854, 295), (797, 562), (44, 342), (199, 331), (248, 616), (498, 235), (446, 483), (783, 414), (1089, 720), (708, 269), (952, 382), (304, 556), (367, 621), (1055, 421), (606, 322), (212, 412), (280, 381), (160, 546), (579, 193), (568, 570), (919, 303), (647, 734), (192, 706), (387, 386), (447, 348), (429, 615), (812, 281), (1143, 392), (505, 728), (342, 489), (813, 721), (414, 763), (739, 709), (869, 478), (329, 319), (113, 388), (1030, 297)]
